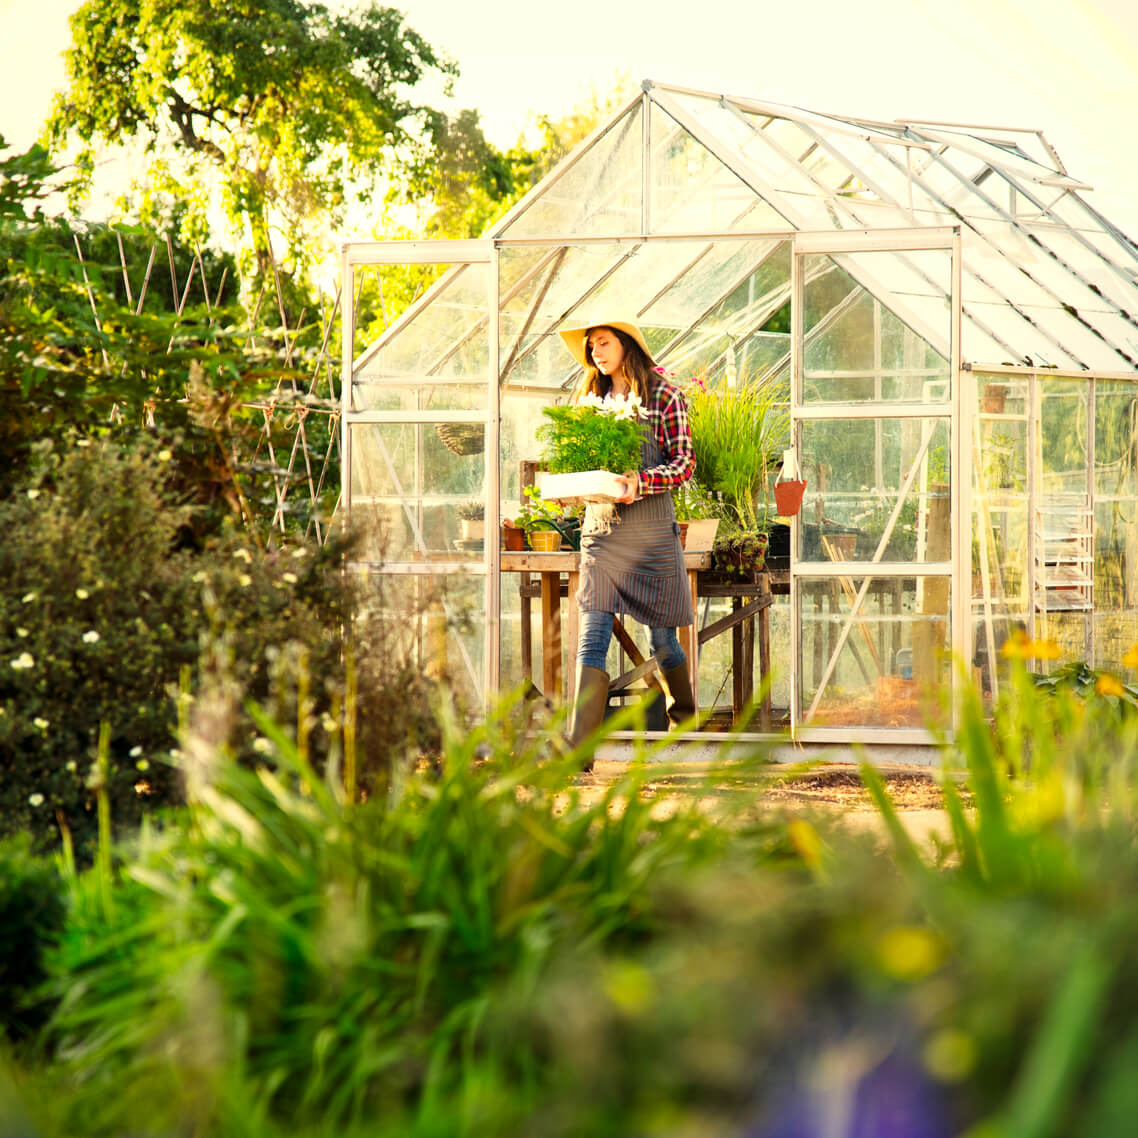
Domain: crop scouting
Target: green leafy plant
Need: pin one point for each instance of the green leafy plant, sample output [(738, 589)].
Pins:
[(738, 434), (593, 434), (740, 554), (537, 514), (472, 511), (32, 915)]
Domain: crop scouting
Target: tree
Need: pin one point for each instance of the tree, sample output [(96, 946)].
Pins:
[(292, 107)]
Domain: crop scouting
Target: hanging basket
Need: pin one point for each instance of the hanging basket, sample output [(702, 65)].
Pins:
[(462, 438), (788, 497)]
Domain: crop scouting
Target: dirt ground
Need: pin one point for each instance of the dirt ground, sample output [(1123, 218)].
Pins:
[(835, 787)]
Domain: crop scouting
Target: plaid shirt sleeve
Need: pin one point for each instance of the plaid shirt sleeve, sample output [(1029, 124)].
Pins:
[(668, 418)]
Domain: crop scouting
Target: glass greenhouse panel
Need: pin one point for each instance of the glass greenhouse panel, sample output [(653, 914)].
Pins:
[(444, 338), (432, 622), (1064, 434), (856, 470), (888, 666), (406, 484), (600, 194), (692, 191), (858, 346), (1116, 523)]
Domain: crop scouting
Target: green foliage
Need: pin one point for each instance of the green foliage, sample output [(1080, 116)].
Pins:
[(482, 952), (31, 919), (314, 960), (738, 434), (100, 612), (584, 437), (284, 103)]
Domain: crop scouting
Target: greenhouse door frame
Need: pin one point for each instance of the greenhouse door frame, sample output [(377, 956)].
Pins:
[(944, 239), (452, 253)]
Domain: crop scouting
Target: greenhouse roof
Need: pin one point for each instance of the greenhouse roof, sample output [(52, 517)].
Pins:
[(1046, 281)]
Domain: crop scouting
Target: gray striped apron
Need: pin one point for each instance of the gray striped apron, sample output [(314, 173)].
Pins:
[(637, 569)]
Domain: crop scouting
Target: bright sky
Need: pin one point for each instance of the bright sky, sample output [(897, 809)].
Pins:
[(1068, 67)]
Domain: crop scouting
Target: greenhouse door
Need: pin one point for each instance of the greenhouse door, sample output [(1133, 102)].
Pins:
[(874, 605), (420, 448)]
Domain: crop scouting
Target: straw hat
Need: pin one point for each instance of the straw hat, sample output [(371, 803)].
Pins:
[(576, 335)]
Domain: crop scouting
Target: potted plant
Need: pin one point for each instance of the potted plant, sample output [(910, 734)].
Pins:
[(738, 435), (471, 518), (697, 514), (586, 443), (546, 525)]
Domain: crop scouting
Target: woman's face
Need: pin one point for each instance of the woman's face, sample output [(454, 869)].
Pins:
[(606, 349)]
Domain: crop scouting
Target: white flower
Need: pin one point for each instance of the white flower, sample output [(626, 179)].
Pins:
[(28, 598), (291, 578), (41, 723), (22, 633), (81, 442), (35, 799), (243, 554), (591, 399), (82, 594), (135, 752), (90, 637), (263, 745), (24, 660), (33, 494), (72, 765), (244, 580)]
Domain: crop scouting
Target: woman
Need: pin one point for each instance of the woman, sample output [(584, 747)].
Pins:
[(632, 564)]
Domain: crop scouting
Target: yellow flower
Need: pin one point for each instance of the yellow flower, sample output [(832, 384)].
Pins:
[(1107, 684), (1020, 646), (82, 594), (1130, 660), (244, 580)]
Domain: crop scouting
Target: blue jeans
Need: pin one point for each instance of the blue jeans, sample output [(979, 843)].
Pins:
[(596, 634)]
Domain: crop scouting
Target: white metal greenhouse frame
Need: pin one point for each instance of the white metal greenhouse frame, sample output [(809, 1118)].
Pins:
[(1036, 286)]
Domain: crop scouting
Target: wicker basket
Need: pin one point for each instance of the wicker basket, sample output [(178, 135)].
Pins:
[(462, 438)]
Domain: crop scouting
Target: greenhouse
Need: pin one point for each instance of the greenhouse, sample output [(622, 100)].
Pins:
[(950, 331)]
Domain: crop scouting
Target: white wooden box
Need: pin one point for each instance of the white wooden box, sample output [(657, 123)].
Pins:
[(581, 486), (701, 534)]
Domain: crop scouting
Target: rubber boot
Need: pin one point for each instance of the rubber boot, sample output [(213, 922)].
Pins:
[(680, 704), (589, 710)]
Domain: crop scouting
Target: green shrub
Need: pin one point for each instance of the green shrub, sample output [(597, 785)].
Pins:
[(31, 920), (306, 959), (102, 614)]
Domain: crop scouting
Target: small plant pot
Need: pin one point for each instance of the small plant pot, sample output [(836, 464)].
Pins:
[(545, 541), (683, 534), (472, 530), (788, 497), (513, 539)]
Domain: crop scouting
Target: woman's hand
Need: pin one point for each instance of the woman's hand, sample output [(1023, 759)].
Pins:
[(631, 488)]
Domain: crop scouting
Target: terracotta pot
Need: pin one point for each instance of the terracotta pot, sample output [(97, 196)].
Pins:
[(513, 539), (788, 497), (683, 534)]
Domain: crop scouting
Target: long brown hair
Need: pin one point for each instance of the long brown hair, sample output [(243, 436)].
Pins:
[(638, 366)]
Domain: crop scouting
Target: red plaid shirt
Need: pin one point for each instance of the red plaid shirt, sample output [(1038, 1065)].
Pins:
[(666, 412)]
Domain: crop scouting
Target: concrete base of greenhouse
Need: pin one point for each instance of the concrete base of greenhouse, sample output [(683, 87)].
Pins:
[(701, 748)]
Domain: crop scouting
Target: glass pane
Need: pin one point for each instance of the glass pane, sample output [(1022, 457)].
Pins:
[(444, 337), (857, 348), (599, 194), (438, 624), (406, 485), (893, 665), (693, 191), (856, 470)]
